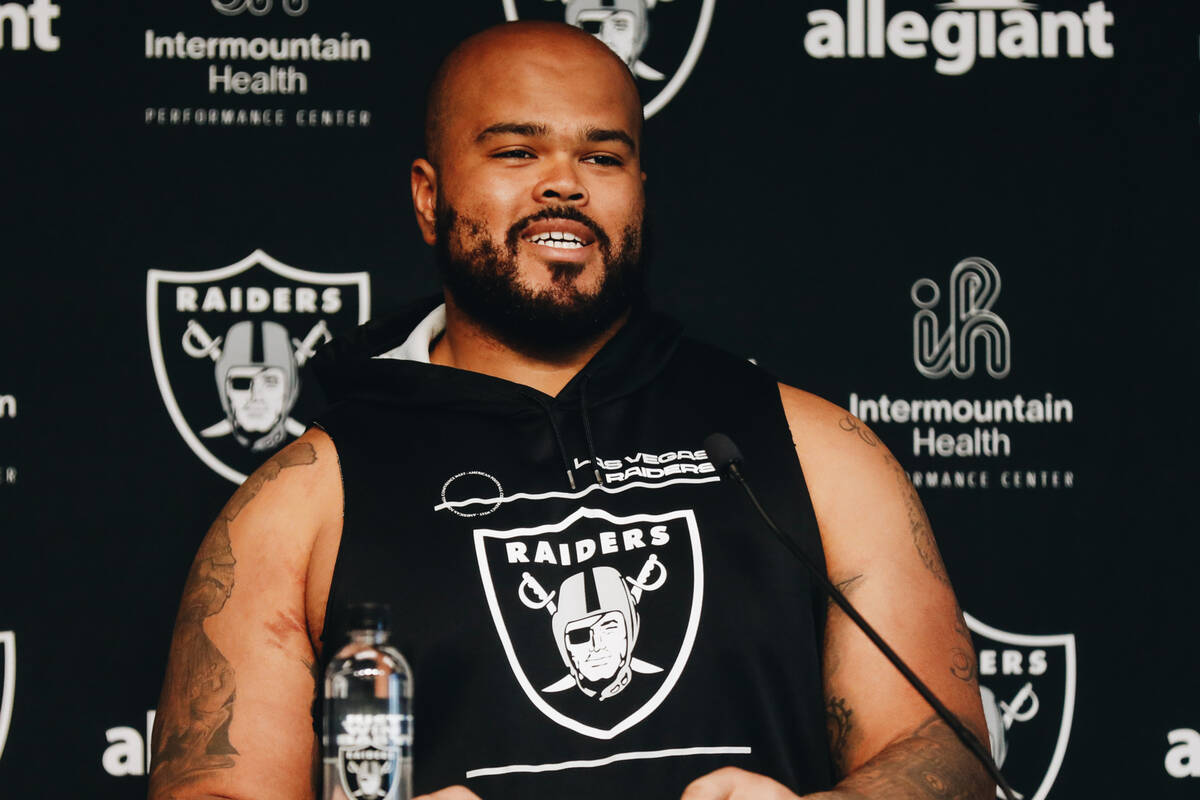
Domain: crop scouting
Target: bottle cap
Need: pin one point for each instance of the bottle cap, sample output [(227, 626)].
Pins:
[(369, 617)]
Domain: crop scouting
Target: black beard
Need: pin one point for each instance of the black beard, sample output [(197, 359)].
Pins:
[(552, 323)]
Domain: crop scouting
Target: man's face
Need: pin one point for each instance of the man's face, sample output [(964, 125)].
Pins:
[(598, 645), (539, 193), (256, 397)]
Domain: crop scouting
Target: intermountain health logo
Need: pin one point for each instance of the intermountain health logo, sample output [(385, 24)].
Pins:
[(8, 692), (967, 442), (660, 40), (271, 70), (229, 347), (1028, 688), (597, 613), (960, 33)]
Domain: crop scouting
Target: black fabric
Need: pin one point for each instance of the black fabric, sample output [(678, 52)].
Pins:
[(660, 548)]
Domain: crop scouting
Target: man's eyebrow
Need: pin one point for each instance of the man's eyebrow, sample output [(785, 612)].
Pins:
[(610, 135), (515, 129)]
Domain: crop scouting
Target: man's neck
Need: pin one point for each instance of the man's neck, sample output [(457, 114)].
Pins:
[(467, 345)]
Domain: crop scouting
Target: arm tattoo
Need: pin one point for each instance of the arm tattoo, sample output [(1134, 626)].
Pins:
[(850, 423), (962, 657), (845, 587), (838, 726), (191, 729), (918, 523), (929, 764)]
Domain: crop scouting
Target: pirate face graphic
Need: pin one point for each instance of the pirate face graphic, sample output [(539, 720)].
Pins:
[(258, 382), (595, 627), (598, 645), (620, 24), (256, 397), (595, 624)]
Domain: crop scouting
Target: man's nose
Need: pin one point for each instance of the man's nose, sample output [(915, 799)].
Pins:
[(560, 183)]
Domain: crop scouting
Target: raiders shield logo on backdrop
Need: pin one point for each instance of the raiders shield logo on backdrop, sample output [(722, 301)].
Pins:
[(1028, 688), (229, 347), (8, 671), (660, 40), (597, 614)]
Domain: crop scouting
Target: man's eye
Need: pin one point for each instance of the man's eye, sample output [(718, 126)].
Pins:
[(605, 161), (513, 154)]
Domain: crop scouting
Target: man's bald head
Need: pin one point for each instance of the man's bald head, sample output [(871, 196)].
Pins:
[(481, 58)]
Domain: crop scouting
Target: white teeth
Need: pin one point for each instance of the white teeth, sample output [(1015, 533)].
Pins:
[(557, 239)]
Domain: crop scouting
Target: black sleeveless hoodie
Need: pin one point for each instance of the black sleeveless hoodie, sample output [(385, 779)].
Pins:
[(588, 609)]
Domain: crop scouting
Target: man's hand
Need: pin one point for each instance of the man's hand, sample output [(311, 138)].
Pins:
[(731, 783), (450, 793)]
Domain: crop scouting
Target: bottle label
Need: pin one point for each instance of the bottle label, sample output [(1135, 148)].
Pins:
[(371, 749)]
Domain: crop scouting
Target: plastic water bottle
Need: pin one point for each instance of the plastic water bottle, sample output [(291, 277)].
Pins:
[(367, 741)]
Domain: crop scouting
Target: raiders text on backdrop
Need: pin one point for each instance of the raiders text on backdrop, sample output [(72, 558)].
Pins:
[(965, 31)]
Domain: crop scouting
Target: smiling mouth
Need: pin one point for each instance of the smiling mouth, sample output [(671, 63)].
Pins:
[(561, 233)]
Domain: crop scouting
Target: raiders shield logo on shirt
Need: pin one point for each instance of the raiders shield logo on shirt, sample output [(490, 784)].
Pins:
[(1028, 688), (660, 40), (597, 614), (229, 347)]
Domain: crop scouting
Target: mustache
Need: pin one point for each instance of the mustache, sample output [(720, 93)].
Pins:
[(557, 212)]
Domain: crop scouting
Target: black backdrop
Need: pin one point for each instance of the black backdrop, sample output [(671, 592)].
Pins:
[(796, 202)]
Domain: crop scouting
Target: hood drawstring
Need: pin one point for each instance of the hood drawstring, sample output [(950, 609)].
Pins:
[(562, 448), (587, 435), (587, 430)]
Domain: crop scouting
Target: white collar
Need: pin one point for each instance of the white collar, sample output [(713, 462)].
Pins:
[(416, 346)]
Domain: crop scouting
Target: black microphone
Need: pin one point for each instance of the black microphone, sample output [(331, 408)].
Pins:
[(727, 458)]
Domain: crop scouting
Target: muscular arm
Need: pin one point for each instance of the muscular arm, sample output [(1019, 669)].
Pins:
[(885, 741), (233, 717)]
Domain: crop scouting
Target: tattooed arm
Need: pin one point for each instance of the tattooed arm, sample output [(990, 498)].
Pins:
[(234, 715), (885, 741)]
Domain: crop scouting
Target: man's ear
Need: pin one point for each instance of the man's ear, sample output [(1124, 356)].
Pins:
[(424, 197)]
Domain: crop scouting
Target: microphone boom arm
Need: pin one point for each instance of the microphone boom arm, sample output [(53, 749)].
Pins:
[(729, 454)]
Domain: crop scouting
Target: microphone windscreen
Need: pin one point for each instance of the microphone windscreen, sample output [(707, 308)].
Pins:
[(722, 452)]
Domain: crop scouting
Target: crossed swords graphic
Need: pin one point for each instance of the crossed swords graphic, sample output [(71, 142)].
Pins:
[(197, 343), (538, 598)]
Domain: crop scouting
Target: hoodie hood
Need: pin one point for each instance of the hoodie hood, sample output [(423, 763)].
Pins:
[(349, 368)]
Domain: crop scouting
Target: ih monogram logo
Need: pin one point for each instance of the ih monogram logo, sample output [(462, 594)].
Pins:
[(231, 8), (974, 287)]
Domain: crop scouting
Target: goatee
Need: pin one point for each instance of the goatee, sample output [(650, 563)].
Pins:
[(483, 278)]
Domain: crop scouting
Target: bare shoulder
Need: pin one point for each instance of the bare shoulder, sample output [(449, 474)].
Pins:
[(300, 480), (841, 456), (862, 496), (233, 713), (293, 517)]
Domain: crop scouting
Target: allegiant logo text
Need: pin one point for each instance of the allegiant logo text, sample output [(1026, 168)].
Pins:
[(963, 31)]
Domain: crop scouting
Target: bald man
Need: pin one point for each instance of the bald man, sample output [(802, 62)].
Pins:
[(516, 467)]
